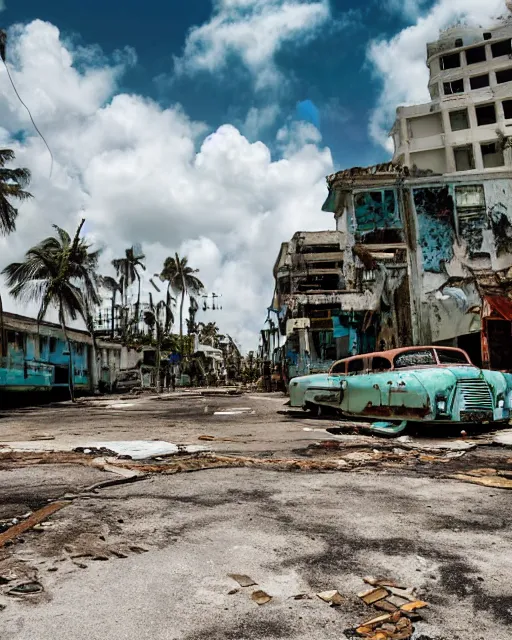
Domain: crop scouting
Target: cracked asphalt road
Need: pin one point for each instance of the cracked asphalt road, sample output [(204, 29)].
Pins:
[(151, 559)]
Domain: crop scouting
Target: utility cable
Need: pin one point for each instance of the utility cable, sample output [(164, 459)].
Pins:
[(28, 111)]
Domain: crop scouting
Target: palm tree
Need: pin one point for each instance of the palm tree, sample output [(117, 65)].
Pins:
[(114, 287), (192, 326), (209, 332), (182, 279), (159, 319), (12, 183), (127, 271), (59, 272)]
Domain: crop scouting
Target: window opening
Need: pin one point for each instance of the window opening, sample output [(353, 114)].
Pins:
[(456, 86), (476, 55), (504, 76), (502, 48), (451, 61), (486, 114), (479, 82), (459, 120)]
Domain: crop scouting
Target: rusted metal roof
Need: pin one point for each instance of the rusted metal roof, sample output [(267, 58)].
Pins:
[(498, 305)]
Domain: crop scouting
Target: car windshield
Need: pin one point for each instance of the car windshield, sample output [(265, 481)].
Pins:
[(451, 357), (415, 358)]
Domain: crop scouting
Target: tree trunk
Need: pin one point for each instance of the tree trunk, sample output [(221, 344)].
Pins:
[(137, 308), (157, 368), (112, 320), (71, 369), (181, 319)]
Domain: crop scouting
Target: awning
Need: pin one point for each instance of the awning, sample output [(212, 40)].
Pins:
[(497, 305)]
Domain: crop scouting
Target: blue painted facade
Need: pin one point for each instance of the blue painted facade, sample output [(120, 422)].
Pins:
[(39, 361), (376, 210)]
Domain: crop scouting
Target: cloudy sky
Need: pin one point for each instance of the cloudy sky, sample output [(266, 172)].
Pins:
[(206, 127)]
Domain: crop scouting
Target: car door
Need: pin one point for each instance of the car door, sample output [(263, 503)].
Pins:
[(331, 392), (359, 391)]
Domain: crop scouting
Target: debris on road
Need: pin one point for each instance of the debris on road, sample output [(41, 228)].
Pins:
[(26, 588), (261, 597), (503, 438), (145, 449), (497, 481), (334, 598), (399, 605), (243, 580), (373, 595), (36, 518)]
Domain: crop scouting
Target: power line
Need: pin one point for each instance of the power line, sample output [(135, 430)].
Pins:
[(2, 55)]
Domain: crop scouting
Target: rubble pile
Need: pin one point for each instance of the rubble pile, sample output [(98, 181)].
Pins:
[(395, 608)]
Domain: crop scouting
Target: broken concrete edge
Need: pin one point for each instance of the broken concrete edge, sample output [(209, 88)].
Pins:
[(114, 482), (491, 482), (36, 518)]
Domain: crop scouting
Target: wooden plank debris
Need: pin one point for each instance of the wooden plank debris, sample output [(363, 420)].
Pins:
[(36, 518)]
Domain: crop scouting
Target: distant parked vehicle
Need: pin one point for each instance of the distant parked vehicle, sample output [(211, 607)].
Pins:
[(127, 380), (414, 384)]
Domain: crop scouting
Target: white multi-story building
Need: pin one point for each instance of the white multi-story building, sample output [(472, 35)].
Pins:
[(466, 125)]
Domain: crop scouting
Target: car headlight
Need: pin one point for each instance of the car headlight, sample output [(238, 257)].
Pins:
[(441, 406), (501, 404)]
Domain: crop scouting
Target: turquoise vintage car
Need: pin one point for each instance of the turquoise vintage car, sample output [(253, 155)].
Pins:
[(414, 384)]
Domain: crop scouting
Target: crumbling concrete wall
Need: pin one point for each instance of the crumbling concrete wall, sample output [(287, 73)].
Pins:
[(498, 197), (458, 242), (436, 227)]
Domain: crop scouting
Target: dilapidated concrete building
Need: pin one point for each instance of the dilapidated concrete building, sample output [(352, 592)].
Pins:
[(422, 252)]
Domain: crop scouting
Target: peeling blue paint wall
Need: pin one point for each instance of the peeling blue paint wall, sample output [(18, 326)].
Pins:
[(31, 361), (376, 210), (434, 210)]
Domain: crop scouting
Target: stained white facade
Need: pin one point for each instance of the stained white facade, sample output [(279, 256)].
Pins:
[(466, 126)]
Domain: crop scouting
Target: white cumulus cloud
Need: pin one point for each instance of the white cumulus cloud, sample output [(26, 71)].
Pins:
[(409, 9), (400, 62), (140, 173), (253, 30)]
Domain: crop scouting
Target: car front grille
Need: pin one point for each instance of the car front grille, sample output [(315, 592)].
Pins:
[(476, 394)]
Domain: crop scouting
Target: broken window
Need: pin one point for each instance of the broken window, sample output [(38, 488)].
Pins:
[(415, 359), (376, 210), (459, 42), (53, 345), (356, 366), (504, 76), (492, 155), (459, 120), (471, 215), (451, 357), (486, 114), (451, 61), (456, 86), (470, 199), (339, 368), (502, 48), (487, 36), (507, 109), (479, 82), (380, 364), (464, 158), (475, 55)]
